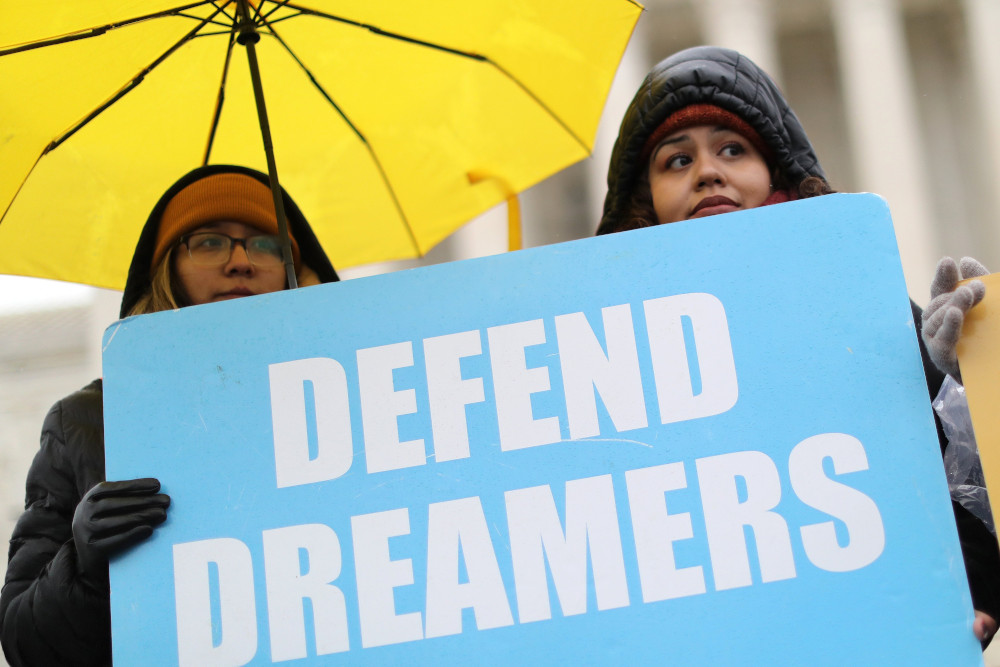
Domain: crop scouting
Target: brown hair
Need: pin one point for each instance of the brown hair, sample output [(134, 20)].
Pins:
[(165, 291)]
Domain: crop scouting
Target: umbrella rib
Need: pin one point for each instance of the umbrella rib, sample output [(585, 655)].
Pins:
[(124, 90), (277, 5), (357, 132), (386, 33), (221, 24), (220, 98), (18, 191), (214, 33), (97, 31), (282, 19), (260, 17), (447, 49), (222, 8), (265, 18)]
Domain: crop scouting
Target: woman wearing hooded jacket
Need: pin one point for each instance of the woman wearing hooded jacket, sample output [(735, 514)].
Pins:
[(708, 132), (211, 237)]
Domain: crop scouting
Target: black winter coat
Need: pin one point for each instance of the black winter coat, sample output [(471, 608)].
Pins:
[(727, 79), (49, 615)]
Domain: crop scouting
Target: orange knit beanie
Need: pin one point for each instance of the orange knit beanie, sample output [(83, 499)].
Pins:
[(225, 197)]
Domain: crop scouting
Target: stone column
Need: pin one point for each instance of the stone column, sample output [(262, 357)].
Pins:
[(884, 133), (744, 25), (982, 19), (486, 234)]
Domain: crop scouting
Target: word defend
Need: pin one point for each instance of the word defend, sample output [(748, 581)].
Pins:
[(585, 366)]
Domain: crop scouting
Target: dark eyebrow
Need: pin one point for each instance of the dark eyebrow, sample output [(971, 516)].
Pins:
[(666, 142), (682, 137)]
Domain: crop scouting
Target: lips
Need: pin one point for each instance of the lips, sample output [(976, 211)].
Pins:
[(237, 292), (711, 203)]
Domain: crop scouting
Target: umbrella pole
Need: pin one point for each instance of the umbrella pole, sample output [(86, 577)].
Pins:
[(248, 37)]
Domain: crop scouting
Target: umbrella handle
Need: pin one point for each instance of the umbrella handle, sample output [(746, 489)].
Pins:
[(513, 206)]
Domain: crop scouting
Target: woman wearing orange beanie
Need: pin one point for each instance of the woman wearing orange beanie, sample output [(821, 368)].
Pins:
[(211, 237)]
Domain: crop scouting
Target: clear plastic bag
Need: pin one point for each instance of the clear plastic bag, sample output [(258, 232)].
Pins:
[(961, 456)]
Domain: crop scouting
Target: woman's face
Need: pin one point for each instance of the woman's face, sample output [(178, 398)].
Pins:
[(233, 279), (705, 170)]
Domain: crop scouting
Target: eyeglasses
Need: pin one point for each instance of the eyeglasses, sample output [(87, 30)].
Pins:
[(215, 249)]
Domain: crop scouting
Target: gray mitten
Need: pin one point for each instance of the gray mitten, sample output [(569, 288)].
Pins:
[(942, 319)]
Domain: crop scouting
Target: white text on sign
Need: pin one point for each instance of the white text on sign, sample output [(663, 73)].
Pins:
[(572, 534), (586, 368)]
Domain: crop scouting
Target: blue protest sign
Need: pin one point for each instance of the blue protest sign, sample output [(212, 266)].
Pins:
[(708, 442)]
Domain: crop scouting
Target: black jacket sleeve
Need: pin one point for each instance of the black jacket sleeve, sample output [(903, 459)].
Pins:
[(980, 550), (49, 615)]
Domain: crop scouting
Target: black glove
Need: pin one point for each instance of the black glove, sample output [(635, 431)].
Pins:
[(113, 516)]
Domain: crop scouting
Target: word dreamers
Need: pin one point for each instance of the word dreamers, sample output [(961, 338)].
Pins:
[(436, 571), (611, 371)]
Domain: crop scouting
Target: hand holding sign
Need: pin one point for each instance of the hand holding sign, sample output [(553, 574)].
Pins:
[(943, 317), (113, 516)]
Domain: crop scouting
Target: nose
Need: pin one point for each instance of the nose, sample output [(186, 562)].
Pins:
[(239, 261), (709, 172)]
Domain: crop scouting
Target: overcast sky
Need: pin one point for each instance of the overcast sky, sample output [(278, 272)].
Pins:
[(19, 294)]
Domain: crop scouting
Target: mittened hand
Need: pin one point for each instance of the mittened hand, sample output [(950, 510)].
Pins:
[(112, 517), (945, 314)]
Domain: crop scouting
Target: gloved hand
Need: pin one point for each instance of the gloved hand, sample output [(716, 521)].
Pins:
[(113, 516), (942, 319)]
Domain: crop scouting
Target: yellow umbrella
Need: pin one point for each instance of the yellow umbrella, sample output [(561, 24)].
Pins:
[(392, 122)]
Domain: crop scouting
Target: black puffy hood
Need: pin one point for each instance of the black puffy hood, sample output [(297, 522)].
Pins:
[(705, 75), (138, 281)]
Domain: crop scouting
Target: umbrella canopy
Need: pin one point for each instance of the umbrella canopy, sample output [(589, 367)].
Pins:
[(385, 116)]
